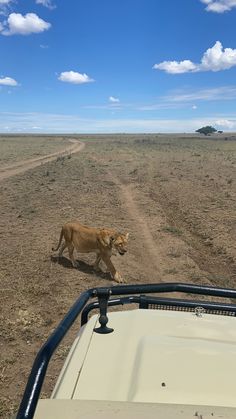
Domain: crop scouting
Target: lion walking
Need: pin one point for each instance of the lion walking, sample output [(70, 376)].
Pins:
[(86, 239)]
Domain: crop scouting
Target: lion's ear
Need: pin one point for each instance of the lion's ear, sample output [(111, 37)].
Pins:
[(127, 236)]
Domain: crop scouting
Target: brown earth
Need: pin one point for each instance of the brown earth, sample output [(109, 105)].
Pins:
[(24, 165), (176, 196)]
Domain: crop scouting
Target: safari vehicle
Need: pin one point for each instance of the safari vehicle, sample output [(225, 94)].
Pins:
[(164, 358)]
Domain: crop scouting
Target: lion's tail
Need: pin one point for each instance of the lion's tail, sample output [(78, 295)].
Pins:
[(59, 244)]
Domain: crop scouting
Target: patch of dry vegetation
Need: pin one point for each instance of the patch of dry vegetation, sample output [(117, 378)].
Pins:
[(180, 215), (17, 148)]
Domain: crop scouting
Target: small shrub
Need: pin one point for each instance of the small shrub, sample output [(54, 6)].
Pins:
[(172, 230)]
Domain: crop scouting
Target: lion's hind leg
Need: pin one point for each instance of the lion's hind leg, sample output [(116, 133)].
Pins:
[(97, 261), (71, 255), (61, 250)]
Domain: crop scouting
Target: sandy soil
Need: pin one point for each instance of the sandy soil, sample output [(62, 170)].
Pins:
[(176, 196)]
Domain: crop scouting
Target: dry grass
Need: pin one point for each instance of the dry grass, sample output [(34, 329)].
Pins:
[(180, 215), (17, 148)]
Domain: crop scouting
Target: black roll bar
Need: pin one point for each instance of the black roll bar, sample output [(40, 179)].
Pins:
[(38, 372)]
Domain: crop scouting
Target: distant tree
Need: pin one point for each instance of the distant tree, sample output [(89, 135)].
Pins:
[(206, 130)]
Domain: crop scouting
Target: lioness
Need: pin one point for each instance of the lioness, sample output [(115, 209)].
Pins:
[(101, 241)]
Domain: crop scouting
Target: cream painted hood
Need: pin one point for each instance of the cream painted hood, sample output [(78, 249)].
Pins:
[(154, 357)]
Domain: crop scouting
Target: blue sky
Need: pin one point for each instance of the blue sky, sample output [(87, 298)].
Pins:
[(117, 65)]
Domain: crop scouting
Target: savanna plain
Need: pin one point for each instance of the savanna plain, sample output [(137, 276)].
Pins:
[(174, 194)]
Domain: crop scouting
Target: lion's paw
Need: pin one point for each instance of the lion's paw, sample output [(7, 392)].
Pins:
[(118, 278), (75, 264), (97, 268)]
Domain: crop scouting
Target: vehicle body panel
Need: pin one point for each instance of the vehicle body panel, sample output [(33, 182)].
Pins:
[(154, 356), (78, 409)]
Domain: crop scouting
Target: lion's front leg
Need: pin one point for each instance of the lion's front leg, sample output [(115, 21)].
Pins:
[(61, 249), (111, 268), (119, 278)]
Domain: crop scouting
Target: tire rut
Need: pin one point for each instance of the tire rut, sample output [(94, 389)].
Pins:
[(136, 216), (24, 165)]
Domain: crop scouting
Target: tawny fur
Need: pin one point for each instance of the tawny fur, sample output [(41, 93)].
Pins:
[(101, 241)]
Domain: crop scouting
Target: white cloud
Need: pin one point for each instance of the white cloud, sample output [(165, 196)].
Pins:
[(217, 93), (46, 3), (214, 59), (8, 81), (113, 99), (225, 124), (183, 98), (109, 106), (175, 67), (160, 105), (24, 25), (74, 77), (219, 6), (4, 7), (61, 123)]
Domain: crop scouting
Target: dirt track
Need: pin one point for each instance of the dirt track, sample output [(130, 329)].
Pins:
[(24, 165), (175, 196), (126, 195)]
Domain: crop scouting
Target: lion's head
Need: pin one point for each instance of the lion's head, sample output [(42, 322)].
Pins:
[(120, 242), (114, 240)]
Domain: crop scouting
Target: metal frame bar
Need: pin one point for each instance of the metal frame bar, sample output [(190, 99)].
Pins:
[(38, 372), (144, 301), (174, 302), (114, 302)]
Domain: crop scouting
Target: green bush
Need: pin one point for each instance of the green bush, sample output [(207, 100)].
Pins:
[(206, 130)]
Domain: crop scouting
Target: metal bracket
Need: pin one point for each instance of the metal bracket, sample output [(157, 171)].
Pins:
[(199, 311), (103, 319)]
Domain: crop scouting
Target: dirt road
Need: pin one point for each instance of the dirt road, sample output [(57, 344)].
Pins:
[(24, 165), (169, 194)]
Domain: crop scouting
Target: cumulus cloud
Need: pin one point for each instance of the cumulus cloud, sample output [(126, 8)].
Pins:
[(74, 77), (175, 67), (217, 58), (113, 99), (214, 59), (8, 81), (219, 6), (24, 25)]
